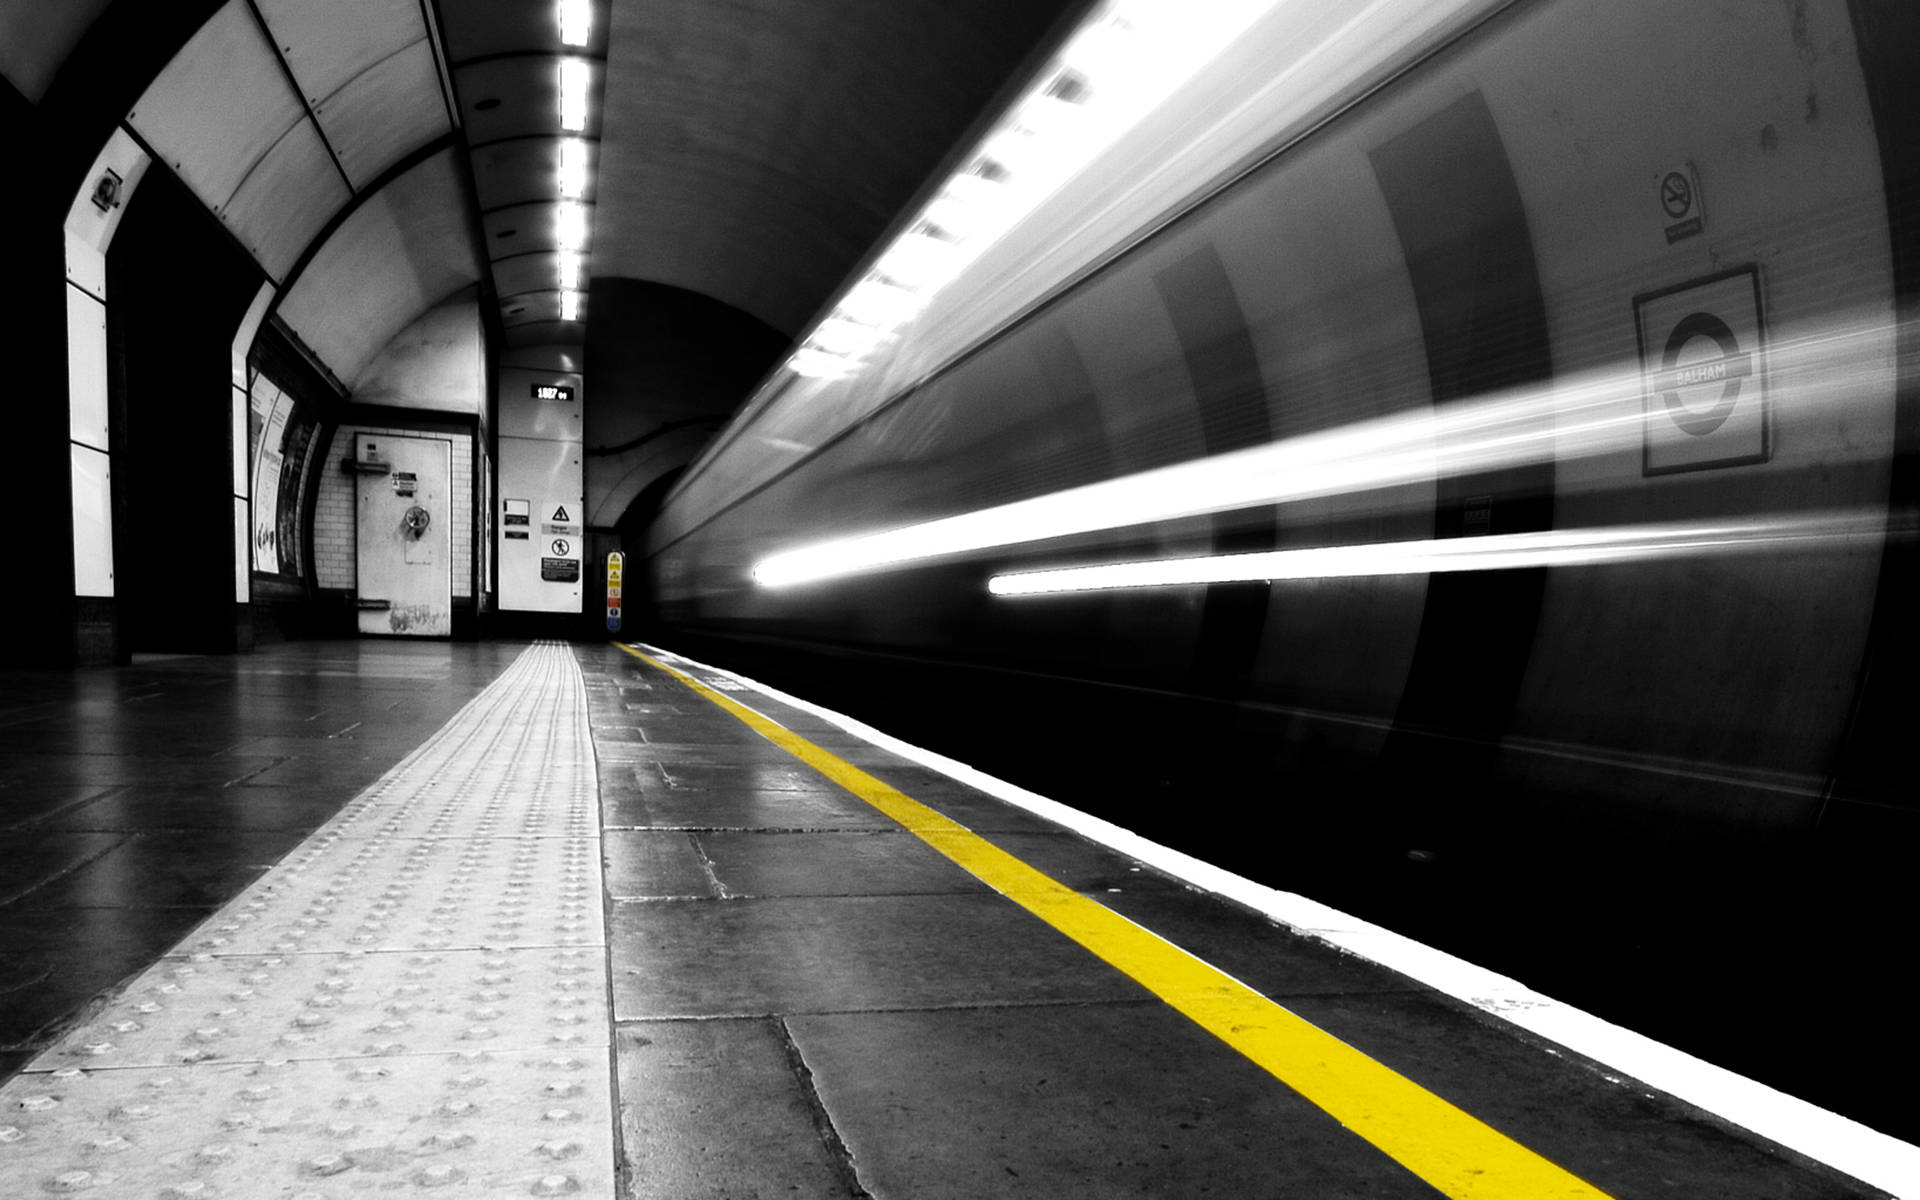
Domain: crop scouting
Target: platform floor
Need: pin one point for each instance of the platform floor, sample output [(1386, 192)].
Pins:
[(589, 921)]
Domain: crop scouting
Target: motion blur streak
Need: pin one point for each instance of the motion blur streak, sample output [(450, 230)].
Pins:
[(1586, 417), (1549, 548)]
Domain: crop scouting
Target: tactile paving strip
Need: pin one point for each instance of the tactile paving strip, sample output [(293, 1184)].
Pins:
[(415, 1000)]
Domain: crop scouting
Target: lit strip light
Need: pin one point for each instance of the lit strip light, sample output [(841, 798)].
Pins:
[(1507, 551), (1125, 57), (573, 169), (575, 78), (576, 21)]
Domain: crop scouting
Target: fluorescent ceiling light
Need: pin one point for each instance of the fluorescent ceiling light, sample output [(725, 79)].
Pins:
[(574, 81), (569, 306), (573, 169), (576, 21), (570, 226), (570, 266), (1508, 551)]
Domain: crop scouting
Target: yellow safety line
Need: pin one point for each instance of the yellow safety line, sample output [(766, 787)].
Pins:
[(1450, 1149)]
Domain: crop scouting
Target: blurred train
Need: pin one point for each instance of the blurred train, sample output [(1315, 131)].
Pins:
[(1438, 429)]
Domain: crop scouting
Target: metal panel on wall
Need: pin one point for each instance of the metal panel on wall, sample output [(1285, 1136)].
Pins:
[(542, 504), (542, 525), (403, 517)]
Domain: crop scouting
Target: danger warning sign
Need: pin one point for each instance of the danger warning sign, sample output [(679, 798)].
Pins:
[(1703, 373)]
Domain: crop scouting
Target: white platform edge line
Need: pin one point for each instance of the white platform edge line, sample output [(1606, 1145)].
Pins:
[(1844, 1144)]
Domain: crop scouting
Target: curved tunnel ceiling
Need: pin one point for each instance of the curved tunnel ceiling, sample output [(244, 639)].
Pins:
[(756, 150), (377, 157)]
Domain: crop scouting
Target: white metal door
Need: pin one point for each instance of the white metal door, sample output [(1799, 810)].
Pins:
[(403, 550)]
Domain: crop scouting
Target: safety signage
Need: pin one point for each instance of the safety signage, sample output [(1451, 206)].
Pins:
[(1680, 207), (616, 564), (1703, 373)]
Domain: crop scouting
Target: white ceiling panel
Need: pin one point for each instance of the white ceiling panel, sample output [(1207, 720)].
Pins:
[(406, 248), (534, 308), (287, 199), (219, 106), (526, 273), (522, 170), (386, 112), (523, 228), (437, 362), (519, 97), (328, 43)]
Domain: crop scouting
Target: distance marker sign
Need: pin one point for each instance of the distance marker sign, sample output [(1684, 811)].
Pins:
[(1703, 373)]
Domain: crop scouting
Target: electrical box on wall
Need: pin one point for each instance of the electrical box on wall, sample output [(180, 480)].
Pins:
[(540, 516)]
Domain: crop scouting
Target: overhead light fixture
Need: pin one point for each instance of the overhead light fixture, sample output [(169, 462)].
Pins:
[(573, 169), (576, 21), (575, 78), (570, 226), (570, 265), (569, 306)]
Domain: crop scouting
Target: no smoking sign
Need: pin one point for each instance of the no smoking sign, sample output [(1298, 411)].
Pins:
[(1703, 373)]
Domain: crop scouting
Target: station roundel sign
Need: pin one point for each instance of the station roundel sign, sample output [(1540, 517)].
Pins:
[(1703, 371), (1728, 368)]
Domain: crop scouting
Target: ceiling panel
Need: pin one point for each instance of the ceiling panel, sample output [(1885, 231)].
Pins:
[(518, 97), (328, 43), (484, 29), (437, 362), (541, 309), (525, 169), (219, 106), (386, 112), (527, 273), (287, 199), (523, 228), (405, 249)]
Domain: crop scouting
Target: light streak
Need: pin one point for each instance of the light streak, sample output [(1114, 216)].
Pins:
[(1595, 416), (1508, 551)]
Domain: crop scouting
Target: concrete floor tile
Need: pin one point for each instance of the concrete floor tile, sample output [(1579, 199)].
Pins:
[(23, 805), (880, 863), (770, 775), (167, 868), (654, 864), (715, 1110), (244, 807), (625, 807), (54, 962), (34, 858), (1100, 1101), (712, 958)]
